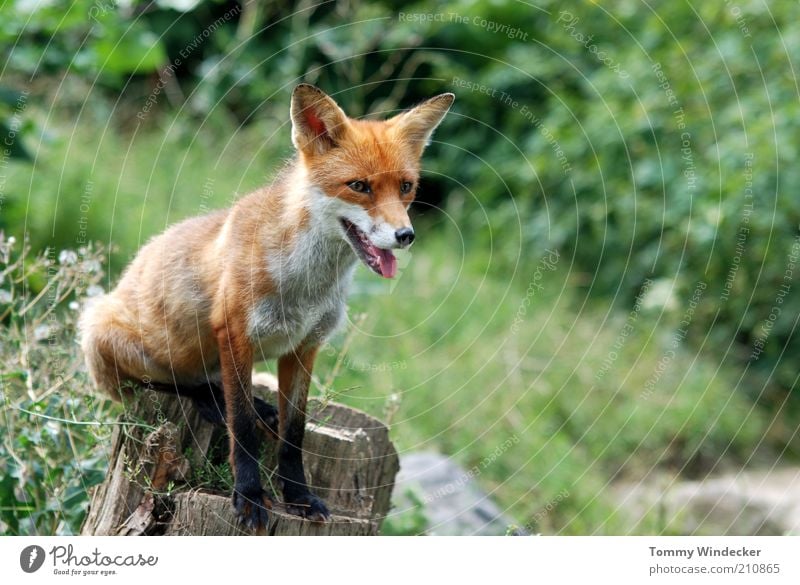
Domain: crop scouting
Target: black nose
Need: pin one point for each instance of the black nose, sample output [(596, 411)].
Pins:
[(404, 236)]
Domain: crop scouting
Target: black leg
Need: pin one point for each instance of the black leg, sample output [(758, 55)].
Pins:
[(294, 375), (210, 403), (250, 500), (298, 498)]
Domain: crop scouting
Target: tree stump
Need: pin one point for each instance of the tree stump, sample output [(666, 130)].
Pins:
[(168, 472)]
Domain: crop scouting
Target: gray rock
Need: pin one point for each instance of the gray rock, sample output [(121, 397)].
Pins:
[(450, 498), (748, 503)]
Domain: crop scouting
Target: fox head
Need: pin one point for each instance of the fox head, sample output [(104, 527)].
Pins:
[(364, 173)]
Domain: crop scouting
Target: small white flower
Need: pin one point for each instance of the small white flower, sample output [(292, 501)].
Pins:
[(11, 240), (74, 305), (94, 291), (91, 266), (41, 332), (5, 297), (661, 296), (67, 257)]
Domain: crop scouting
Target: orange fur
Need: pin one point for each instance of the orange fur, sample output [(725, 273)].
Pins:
[(207, 271), (265, 279)]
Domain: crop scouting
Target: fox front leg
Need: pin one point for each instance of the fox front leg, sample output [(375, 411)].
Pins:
[(250, 500), (294, 377)]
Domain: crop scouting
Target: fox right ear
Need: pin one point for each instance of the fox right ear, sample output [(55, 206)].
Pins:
[(417, 124), (317, 122)]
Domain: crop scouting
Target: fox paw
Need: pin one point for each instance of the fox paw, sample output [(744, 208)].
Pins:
[(251, 508), (308, 506)]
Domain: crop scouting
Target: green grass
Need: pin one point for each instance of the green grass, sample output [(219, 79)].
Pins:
[(442, 345), (124, 187), (477, 350)]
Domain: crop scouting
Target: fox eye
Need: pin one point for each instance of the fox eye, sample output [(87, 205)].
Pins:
[(405, 187), (359, 186)]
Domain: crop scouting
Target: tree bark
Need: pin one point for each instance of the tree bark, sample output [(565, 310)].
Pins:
[(168, 472)]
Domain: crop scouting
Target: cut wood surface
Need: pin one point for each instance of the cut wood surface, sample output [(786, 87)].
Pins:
[(168, 471)]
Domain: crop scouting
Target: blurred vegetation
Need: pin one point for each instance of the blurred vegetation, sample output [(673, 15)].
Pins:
[(52, 447), (650, 144), (461, 378)]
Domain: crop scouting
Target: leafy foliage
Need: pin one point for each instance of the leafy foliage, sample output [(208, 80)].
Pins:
[(46, 464), (628, 137), (652, 145)]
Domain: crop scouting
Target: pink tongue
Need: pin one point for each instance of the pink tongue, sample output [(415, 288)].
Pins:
[(388, 263)]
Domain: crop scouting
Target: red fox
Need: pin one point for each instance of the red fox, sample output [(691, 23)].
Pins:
[(265, 279)]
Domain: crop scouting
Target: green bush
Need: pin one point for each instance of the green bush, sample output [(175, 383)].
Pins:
[(630, 138), (651, 146), (648, 188)]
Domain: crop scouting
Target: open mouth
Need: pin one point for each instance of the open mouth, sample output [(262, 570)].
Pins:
[(379, 260)]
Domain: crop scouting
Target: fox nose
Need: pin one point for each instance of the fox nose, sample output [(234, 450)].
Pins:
[(404, 236)]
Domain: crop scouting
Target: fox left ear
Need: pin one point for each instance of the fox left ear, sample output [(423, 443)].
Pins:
[(318, 123), (417, 124)]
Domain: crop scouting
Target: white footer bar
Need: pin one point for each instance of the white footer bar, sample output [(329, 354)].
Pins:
[(351, 561)]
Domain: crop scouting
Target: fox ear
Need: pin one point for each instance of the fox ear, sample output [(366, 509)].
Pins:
[(417, 124), (317, 122)]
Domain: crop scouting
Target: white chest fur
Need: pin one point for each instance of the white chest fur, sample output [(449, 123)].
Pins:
[(312, 278)]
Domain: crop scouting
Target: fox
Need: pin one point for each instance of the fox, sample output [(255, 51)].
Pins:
[(266, 279)]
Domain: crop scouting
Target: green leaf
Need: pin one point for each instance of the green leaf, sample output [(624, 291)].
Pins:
[(137, 50)]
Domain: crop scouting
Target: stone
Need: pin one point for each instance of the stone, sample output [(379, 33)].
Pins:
[(748, 503), (452, 502)]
